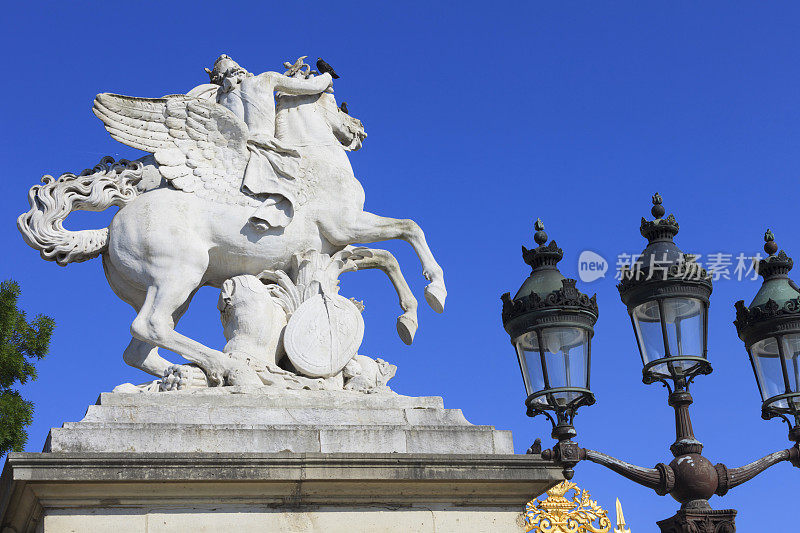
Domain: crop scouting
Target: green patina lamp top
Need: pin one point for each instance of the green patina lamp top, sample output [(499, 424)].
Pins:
[(545, 277), (775, 270)]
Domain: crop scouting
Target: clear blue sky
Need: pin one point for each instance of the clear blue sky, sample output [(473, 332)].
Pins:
[(481, 117)]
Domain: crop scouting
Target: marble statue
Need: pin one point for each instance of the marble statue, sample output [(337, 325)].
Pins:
[(246, 186)]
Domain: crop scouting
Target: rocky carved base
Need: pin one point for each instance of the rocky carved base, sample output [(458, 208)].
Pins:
[(361, 374)]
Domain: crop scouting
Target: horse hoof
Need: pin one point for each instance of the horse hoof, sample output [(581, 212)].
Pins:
[(406, 328), (183, 377), (435, 295)]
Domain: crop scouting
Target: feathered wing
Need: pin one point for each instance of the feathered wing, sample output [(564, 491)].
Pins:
[(200, 146)]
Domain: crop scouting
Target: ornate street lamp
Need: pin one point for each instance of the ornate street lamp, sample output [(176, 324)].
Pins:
[(770, 329), (667, 296), (551, 327)]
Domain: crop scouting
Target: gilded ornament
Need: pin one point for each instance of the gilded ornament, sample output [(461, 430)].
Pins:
[(557, 514)]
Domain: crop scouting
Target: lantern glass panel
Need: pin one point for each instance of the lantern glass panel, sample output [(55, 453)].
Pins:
[(767, 364), (530, 362), (791, 354), (647, 322), (683, 322)]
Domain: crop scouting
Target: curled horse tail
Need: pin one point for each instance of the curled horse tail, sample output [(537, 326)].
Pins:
[(109, 183)]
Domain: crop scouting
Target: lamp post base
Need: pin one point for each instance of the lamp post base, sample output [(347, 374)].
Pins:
[(700, 521)]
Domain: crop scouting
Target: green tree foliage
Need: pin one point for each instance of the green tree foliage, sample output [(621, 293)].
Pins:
[(22, 344)]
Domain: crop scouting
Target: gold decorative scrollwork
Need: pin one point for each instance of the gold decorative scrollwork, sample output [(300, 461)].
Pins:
[(557, 514)]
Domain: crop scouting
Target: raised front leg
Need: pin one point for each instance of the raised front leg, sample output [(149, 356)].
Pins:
[(368, 227), (365, 258)]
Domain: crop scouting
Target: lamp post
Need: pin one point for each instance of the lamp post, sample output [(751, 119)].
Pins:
[(551, 327), (667, 296)]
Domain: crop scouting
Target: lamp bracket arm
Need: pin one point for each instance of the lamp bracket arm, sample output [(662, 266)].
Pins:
[(733, 477), (661, 478)]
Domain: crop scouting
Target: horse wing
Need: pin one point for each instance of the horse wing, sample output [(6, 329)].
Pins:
[(200, 146)]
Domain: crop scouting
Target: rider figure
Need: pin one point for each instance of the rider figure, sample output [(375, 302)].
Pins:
[(273, 167)]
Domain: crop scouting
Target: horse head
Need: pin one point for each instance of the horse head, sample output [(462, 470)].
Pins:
[(348, 130), (316, 120)]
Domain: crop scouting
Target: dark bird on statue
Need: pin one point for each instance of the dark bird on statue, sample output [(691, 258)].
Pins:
[(536, 448), (323, 67), (343, 107)]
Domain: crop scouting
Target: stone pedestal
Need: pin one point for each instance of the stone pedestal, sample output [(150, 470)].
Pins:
[(298, 462), (236, 420)]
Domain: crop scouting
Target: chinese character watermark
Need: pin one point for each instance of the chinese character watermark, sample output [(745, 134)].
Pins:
[(718, 266)]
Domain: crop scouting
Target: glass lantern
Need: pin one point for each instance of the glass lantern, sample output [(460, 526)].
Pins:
[(555, 364), (776, 363), (667, 295), (770, 329), (671, 334)]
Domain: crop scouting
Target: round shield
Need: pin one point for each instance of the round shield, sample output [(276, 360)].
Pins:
[(323, 334)]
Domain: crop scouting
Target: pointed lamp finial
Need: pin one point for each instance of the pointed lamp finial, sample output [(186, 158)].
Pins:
[(540, 236), (769, 243), (657, 209)]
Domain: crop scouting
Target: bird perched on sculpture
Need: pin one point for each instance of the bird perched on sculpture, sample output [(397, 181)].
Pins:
[(536, 448), (343, 107), (323, 67)]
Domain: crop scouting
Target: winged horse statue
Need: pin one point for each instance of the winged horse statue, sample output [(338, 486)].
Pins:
[(188, 219)]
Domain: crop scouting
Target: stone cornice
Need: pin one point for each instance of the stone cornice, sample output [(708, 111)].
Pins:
[(32, 481)]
